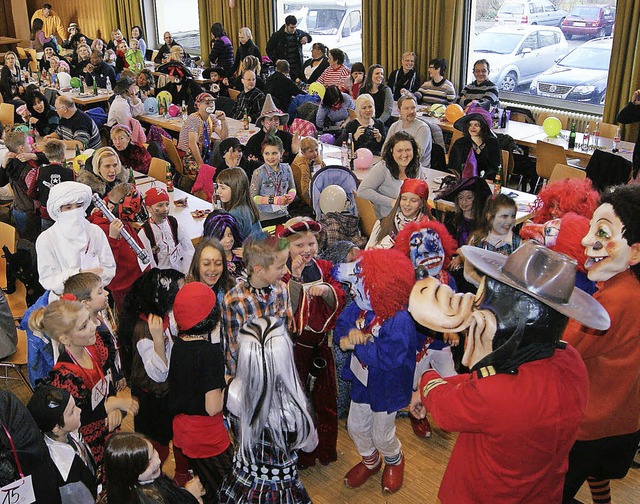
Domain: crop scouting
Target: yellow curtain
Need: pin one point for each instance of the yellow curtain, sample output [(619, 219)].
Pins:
[(123, 14), (430, 28), (624, 70), (257, 15)]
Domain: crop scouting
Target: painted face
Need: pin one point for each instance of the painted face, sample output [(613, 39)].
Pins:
[(425, 249), (71, 416), (504, 220), (351, 274), (271, 155), (270, 123), (224, 192), (403, 153), (120, 140), (84, 331), (211, 266), (207, 104), (608, 253), (408, 62), (545, 234), (243, 38), (159, 211), (378, 76), (109, 168), (306, 247), (408, 110), (465, 200), (48, 52), (410, 204), (274, 273), (99, 299), (152, 471), (249, 81), (367, 109), (555, 210)]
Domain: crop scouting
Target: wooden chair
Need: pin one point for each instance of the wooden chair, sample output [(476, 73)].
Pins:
[(7, 111), (158, 169), (233, 94), (543, 115), (352, 114), (17, 361), (548, 156), (563, 171), (455, 136), (8, 238), (153, 55), (367, 214), (172, 152), (607, 130)]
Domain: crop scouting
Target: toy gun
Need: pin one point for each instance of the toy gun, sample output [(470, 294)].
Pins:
[(140, 252)]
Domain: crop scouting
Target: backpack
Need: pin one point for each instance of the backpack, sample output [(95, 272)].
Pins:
[(146, 227)]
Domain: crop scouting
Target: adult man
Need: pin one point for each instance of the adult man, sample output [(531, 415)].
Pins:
[(250, 100), (99, 70), (610, 430), (76, 128), (416, 128), (126, 104), (481, 92), (404, 79), (280, 86), (519, 409), (437, 89), (52, 26), (287, 44), (164, 48)]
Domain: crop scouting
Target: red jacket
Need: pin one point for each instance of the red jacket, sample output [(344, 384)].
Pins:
[(516, 431)]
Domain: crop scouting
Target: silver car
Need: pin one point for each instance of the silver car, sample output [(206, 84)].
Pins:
[(517, 54), (533, 12)]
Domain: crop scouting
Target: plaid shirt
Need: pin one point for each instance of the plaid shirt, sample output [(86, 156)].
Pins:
[(252, 101), (244, 303)]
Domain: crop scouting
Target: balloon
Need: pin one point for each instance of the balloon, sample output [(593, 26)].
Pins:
[(453, 112), (552, 126), (75, 83), (22, 127), (327, 138), (333, 198), (79, 162), (64, 79), (437, 110), (174, 110), (151, 106), (317, 88), (166, 96), (364, 159)]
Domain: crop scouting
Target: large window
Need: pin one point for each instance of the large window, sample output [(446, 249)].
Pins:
[(548, 52), (181, 20), (335, 23)]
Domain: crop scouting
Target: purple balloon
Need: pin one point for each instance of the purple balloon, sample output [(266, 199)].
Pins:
[(327, 138)]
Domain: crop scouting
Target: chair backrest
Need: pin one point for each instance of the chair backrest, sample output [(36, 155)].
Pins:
[(233, 94), (548, 156), (172, 152), (607, 130), (455, 136), (367, 214), (8, 238), (158, 169), (543, 115), (19, 358), (506, 160), (7, 111), (563, 171)]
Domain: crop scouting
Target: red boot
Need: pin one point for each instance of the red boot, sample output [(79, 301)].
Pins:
[(421, 428), (360, 473), (393, 476)]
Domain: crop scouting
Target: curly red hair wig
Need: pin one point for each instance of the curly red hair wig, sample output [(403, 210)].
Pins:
[(449, 244), (568, 195), (573, 228), (388, 279)]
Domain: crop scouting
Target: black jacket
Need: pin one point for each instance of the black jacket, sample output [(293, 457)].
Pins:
[(277, 48), (101, 73), (631, 114), (244, 50), (488, 159), (164, 49), (317, 72), (282, 90)]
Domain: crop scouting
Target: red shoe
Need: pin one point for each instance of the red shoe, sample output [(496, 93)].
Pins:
[(360, 473), (393, 476), (421, 428)]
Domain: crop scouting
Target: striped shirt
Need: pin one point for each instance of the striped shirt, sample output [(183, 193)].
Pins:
[(486, 94), (432, 92), (334, 76), (80, 127)]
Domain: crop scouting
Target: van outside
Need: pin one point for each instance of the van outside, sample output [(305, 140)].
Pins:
[(337, 24)]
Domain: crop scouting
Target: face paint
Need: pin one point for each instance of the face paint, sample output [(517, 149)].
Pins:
[(351, 274), (425, 249), (210, 110)]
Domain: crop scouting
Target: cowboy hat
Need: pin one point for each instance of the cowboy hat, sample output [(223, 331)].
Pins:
[(269, 109)]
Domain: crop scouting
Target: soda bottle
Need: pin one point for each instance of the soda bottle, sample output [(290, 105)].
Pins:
[(169, 179), (586, 137), (497, 181), (596, 135), (616, 140), (495, 122), (95, 87), (245, 120), (184, 111), (503, 120), (572, 136)]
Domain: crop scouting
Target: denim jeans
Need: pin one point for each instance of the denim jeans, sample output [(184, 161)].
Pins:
[(20, 219)]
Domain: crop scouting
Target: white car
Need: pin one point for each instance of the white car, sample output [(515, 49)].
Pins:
[(518, 54), (533, 12)]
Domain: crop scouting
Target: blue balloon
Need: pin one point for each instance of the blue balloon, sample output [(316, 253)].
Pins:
[(151, 106)]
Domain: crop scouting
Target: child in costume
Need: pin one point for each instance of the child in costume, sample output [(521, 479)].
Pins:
[(210, 268), (167, 246), (223, 226), (496, 232), (610, 429), (430, 247), (519, 409), (317, 300), (270, 417), (563, 196), (233, 191), (379, 331)]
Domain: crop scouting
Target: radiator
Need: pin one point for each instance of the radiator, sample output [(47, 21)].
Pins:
[(581, 119)]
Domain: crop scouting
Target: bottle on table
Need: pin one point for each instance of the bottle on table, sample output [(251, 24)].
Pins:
[(95, 87), (169, 179), (184, 111), (161, 107), (616, 140), (586, 138), (83, 85), (245, 119), (596, 135), (132, 176), (495, 122), (109, 85), (77, 150), (572, 136), (497, 181), (504, 119), (344, 154)]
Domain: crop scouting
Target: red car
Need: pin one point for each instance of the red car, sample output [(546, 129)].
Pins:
[(589, 20)]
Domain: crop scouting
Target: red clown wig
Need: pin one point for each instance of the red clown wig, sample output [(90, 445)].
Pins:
[(568, 195), (449, 244), (573, 228), (388, 279)]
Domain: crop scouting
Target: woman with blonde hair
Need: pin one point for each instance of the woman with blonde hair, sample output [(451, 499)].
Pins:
[(106, 171), (246, 47), (367, 131)]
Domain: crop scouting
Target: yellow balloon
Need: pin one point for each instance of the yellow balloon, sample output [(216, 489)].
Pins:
[(79, 162), (552, 126), (453, 112), (166, 96), (317, 88)]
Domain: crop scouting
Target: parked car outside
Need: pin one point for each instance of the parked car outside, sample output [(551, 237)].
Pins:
[(580, 76), (533, 12), (589, 20), (517, 54)]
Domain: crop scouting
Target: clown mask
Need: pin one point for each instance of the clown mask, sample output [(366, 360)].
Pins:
[(351, 273), (545, 234), (426, 251), (607, 251)]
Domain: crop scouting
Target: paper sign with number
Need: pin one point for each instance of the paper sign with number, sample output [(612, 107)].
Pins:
[(18, 492)]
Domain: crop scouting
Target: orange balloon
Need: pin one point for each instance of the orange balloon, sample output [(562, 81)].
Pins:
[(453, 112)]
